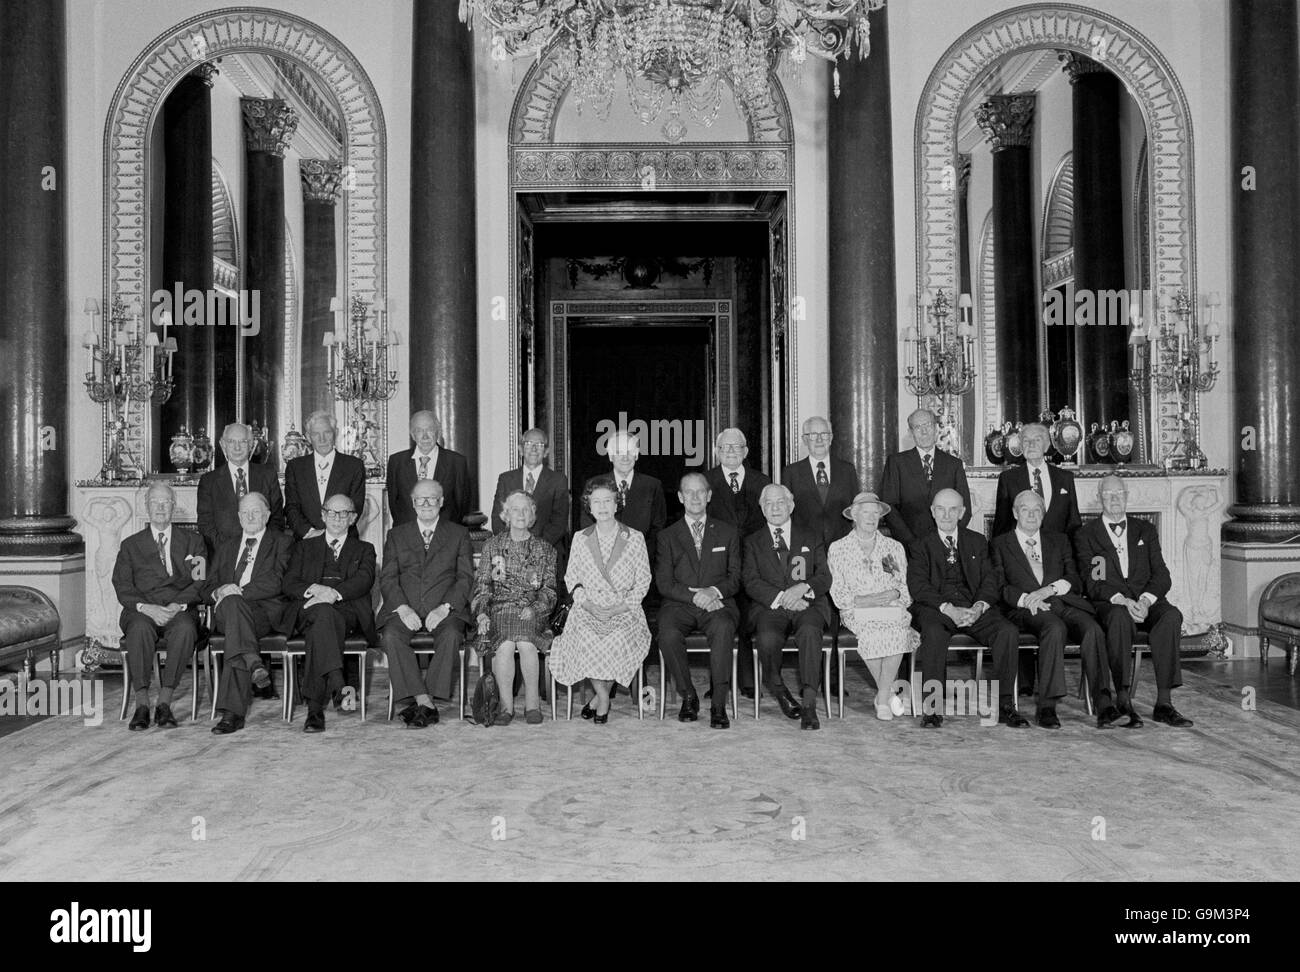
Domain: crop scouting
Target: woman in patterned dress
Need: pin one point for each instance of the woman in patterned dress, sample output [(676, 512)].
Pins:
[(606, 637), (514, 594), (869, 586)]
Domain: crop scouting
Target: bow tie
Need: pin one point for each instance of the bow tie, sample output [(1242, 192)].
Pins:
[(1117, 528)]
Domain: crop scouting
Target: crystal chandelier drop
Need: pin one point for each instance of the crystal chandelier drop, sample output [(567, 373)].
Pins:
[(674, 55)]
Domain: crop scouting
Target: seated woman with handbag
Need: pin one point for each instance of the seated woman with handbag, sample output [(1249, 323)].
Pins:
[(514, 594)]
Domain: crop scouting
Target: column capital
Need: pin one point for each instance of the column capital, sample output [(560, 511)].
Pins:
[(269, 125), (206, 72), (1077, 65), (1006, 120), (320, 180)]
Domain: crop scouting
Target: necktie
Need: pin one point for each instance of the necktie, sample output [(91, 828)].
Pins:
[(697, 528), (428, 537), (927, 463), (244, 558), (622, 493), (952, 549), (424, 467), (1035, 559), (1038, 481), (334, 549), (735, 482), (241, 484), (779, 546), (162, 552), (529, 483), (1118, 528), (821, 475), (322, 474)]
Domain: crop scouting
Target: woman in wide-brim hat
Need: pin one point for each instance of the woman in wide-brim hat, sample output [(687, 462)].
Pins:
[(869, 586)]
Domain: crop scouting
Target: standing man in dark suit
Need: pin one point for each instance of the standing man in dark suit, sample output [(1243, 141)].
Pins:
[(321, 473), (954, 587), (641, 503), (426, 580), (1126, 577), (697, 571), (328, 581), (735, 490), (244, 586), (1052, 483), (787, 581), (821, 485), (429, 460), (155, 581), (1041, 592), (221, 489), (548, 488), (912, 478)]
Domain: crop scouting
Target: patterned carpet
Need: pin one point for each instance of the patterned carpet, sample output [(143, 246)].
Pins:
[(648, 800)]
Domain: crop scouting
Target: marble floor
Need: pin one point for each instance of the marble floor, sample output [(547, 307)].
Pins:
[(860, 800)]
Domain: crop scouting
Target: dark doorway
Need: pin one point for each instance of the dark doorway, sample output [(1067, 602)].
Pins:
[(658, 374)]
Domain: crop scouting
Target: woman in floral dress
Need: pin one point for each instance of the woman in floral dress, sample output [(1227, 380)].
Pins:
[(514, 594), (606, 638), (869, 586)]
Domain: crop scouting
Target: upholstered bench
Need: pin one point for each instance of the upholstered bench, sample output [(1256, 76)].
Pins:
[(29, 622), (1279, 618)]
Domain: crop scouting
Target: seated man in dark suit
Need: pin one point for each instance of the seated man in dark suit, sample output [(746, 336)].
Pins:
[(1041, 593), (787, 581), (329, 581), (641, 503), (426, 579), (322, 472), (1126, 577), (548, 488), (912, 478), (822, 487), (735, 489), (243, 585), (156, 581), (221, 489), (429, 460), (697, 571), (1054, 484), (954, 587)]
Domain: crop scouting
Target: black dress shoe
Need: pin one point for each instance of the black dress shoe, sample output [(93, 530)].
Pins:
[(228, 724), (1108, 715), (315, 721), (1170, 716), (587, 711), (747, 692), (718, 719), (599, 719), (140, 720), (789, 706), (808, 718), (1134, 720), (265, 692), (425, 715), (408, 714), (1048, 719), (162, 716), (934, 721), (1008, 716), (690, 709)]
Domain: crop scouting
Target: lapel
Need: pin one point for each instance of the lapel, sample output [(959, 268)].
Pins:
[(593, 546), (917, 470), (227, 486), (967, 558), (435, 541), (332, 484), (1013, 541), (1108, 547), (440, 469), (690, 541), (177, 553)]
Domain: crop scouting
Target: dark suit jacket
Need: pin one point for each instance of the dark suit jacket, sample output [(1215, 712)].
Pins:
[(551, 493), (925, 564), (741, 509), (646, 509), (452, 473), (1102, 579), (357, 567), (1062, 516), (267, 582), (826, 523), (139, 577), (764, 577), (218, 509), (423, 580), (1017, 576), (302, 497), (677, 569), (903, 487)]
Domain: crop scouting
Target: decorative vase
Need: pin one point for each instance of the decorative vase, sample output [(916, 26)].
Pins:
[(1011, 438), (202, 456), (1099, 444), (181, 451), (994, 447), (1122, 439), (295, 444), (1067, 435), (1047, 419)]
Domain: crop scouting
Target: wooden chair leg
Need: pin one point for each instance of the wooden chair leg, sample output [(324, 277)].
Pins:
[(216, 679), (735, 689), (758, 691), (841, 687)]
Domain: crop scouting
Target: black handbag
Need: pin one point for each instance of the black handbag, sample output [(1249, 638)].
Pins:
[(559, 618), (485, 706)]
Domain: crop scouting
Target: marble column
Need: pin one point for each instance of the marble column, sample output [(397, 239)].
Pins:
[(1101, 350), (1265, 333), (444, 271), (320, 193), (34, 366), (971, 438), (187, 248), (269, 125), (1008, 122), (862, 299)]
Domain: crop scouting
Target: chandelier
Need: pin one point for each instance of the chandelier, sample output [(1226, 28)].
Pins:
[(674, 54)]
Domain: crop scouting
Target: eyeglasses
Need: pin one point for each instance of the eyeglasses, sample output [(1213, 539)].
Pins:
[(426, 501), (731, 447), (337, 514), (817, 435)]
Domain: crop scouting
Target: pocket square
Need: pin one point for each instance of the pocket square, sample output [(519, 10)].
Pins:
[(1064, 491), (719, 550), (803, 549), (1141, 543)]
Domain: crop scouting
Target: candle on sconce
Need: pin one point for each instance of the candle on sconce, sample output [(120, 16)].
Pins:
[(169, 346), (151, 344), (964, 303)]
